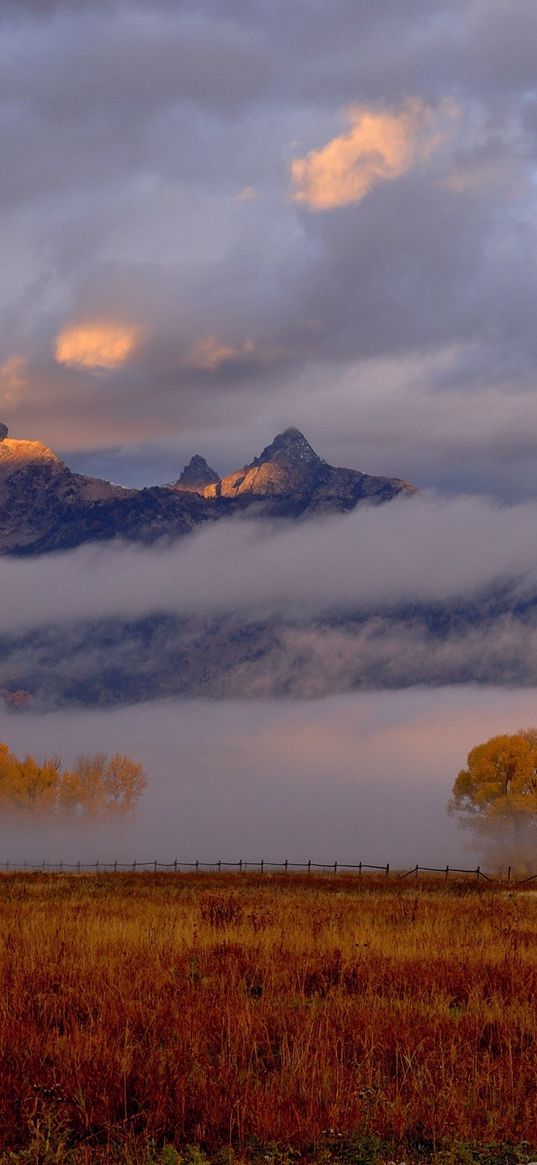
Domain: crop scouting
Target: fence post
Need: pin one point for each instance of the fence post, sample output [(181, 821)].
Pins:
[(478, 872), (154, 867), (508, 874), (134, 867), (387, 869), (262, 865), (197, 865), (219, 864), (285, 865), (309, 866), (96, 867), (240, 866), (446, 874), (416, 871), (359, 869), (335, 867)]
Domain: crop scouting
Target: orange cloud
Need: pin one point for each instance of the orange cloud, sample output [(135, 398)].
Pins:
[(95, 345), (209, 354), (379, 147)]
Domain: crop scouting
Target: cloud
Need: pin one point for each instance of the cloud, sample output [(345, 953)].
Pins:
[(209, 354), (13, 379), (379, 147), (418, 549), (247, 194), (424, 590), (95, 345), (130, 134)]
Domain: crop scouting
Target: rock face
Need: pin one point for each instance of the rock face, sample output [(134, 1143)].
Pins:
[(196, 475), (44, 506), (3, 431)]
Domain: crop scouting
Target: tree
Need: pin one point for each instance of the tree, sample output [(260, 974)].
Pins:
[(26, 786), (97, 787), (124, 781), (496, 794), (101, 786)]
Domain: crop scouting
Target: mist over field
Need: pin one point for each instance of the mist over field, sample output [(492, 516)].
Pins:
[(352, 778)]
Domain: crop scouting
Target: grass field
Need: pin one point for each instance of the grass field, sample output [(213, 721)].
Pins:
[(160, 1018)]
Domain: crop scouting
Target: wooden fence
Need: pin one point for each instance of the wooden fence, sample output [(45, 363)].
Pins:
[(262, 867)]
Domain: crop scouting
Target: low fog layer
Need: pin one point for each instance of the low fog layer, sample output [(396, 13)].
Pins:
[(422, 590), (419, 548), (232, 656), (354, 778)]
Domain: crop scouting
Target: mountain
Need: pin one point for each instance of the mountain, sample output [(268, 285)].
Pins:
[(196, 475), (290, 476), (45, 507), (38, 492)]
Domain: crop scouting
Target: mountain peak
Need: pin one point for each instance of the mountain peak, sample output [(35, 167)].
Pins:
[(196, 475), (290, 447), (15, 454)]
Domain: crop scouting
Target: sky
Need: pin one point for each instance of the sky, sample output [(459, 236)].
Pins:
[(223, 217)]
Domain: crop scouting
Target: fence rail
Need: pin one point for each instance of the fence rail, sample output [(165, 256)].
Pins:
[(262, 867)]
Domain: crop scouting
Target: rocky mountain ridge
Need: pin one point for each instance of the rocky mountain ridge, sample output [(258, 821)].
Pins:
[(291, 476), (44, 506)]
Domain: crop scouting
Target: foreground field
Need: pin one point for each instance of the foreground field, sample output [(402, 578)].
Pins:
[(265, 1019)]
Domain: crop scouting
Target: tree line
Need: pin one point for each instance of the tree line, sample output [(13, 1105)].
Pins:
[(96, 787)]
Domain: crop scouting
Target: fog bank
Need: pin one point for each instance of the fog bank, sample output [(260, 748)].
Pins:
[(352, 778), (420, 548)]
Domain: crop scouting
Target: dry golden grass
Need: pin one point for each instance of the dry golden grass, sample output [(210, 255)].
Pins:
[(261, 1017)]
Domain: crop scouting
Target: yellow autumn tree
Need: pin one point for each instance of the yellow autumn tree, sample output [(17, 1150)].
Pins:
[(27, 786), (97, 787), (496, 795)]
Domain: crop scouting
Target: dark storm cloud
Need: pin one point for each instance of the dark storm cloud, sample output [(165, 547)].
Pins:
[(150, 183)]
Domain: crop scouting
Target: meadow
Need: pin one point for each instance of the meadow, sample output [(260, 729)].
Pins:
[(180, 1019)]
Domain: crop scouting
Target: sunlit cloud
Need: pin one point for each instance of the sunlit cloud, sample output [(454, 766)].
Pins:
[(380, 146), (95, 345), (209, 354)]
